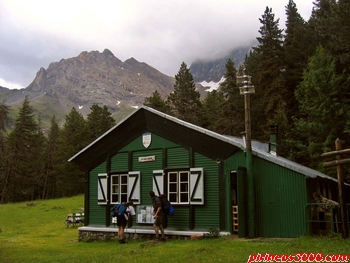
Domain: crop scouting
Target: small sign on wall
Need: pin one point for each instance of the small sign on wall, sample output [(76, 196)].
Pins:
[(146, 139), (147, 159)]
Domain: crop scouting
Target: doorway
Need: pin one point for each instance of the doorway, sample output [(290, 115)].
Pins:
[(234, 202)]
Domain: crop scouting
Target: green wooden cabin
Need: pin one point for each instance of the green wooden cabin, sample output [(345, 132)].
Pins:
[(203, 174)]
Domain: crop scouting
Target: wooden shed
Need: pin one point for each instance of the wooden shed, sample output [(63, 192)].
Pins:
[(202, 173)]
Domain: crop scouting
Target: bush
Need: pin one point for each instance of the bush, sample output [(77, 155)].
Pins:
[(213, 232)]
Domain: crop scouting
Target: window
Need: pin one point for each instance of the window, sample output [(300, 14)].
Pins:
[(123, 187), (119, 188), (183, 186), (178, 185)]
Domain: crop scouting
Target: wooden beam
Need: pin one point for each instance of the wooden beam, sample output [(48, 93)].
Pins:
[(336, 162), (345, 151)]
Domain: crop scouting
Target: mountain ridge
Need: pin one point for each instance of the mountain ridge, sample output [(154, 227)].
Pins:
[(214, 70), (101, 78)]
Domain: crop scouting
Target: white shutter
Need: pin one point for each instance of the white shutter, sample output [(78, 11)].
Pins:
[(158, 182), (197, 186), (134, 189), (102, 189)]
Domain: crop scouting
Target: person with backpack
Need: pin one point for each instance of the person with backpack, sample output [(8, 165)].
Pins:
[(122, 212), (160, 217)]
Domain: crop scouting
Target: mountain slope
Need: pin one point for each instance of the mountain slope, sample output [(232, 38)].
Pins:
[(214, 70), (91, 78)]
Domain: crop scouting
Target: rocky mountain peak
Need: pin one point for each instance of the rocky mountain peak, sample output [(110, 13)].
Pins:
[(107, 52), (101, 78), (96, 78)]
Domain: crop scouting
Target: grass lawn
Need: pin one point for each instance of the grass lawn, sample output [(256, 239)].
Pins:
[(34, 232)]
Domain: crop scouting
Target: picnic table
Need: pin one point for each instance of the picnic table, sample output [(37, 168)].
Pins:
[(74, 220)]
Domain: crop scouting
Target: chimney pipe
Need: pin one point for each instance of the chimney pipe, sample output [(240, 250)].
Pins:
[(273, 130)]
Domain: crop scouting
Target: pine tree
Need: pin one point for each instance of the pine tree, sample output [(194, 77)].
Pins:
[(331, 23), (340, 47), (37, 162), (99, 120), (21, 144), (270, 50), (4, 110), (296, 54), (51, 161), (72, 139), (269, 79), (322, 107), (322, 21), (212, 110), (232, 120), (156, 102), (335, 28), (184, 102)]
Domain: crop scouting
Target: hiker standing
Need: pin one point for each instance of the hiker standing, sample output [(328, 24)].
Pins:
[(122, 220), (160, 218)]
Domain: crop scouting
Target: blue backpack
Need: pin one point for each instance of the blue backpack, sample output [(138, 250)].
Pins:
[(171, 209), (166, 205), (118, 209)]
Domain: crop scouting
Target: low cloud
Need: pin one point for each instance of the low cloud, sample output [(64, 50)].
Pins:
[(162, 34)]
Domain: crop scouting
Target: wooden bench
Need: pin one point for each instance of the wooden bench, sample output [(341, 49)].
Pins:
[(74, 220)]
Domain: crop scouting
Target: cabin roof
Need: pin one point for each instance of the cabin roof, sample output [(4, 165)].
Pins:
[(146, 119)]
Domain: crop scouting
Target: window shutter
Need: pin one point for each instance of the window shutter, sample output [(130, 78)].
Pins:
[(134, 189), (102, 189), (158, 182), (197, 186)]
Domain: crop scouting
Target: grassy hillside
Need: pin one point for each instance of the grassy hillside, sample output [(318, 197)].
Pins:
[(48, 107), (34, 232), (123, 113), (45, 108)]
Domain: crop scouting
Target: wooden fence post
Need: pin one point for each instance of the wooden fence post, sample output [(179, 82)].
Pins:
[(339, 163), (344, 220)]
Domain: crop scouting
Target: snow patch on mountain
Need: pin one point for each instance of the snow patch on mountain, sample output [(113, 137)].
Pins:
[(212, 85)]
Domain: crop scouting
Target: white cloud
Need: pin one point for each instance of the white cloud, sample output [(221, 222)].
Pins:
[(10, 85), (161, 33)]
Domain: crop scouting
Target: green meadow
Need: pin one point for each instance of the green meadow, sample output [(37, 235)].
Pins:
[(35, 232)]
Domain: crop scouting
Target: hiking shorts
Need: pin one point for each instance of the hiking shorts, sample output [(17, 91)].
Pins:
[(121, 221), (161, 220)]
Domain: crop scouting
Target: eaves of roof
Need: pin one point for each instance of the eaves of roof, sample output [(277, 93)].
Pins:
[(146, 119), (184, 133)]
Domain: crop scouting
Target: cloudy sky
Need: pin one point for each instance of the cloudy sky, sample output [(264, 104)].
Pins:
[(161, 33)]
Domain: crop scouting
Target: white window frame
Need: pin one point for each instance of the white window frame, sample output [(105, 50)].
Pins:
[(119, 188), (131, 188), (179, 189), (192, 191)]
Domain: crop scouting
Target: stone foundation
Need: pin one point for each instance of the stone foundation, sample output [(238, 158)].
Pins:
[(100, 233), (98, 236), (108, 235)]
